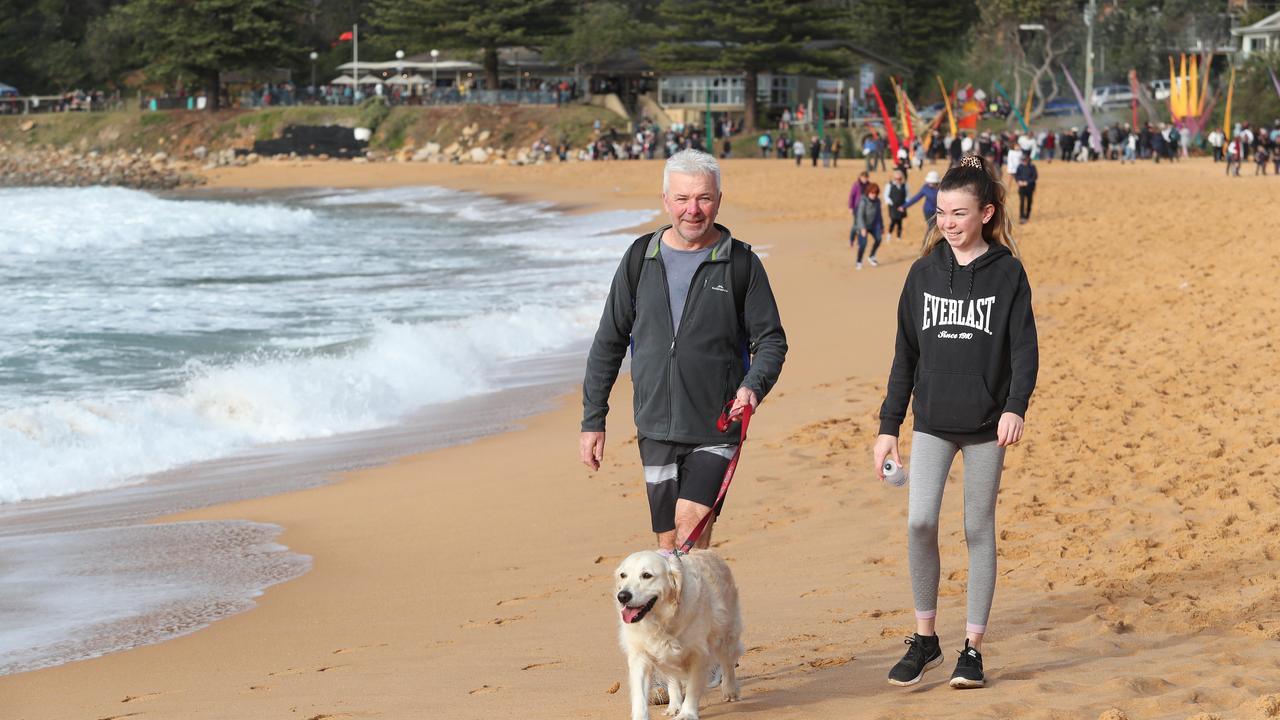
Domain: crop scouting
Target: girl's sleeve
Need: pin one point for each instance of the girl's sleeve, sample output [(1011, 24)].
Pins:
[(902, 375), (1024, 350)]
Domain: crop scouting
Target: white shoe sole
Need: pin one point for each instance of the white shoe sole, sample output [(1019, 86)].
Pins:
[(928, 666), (966, 684)]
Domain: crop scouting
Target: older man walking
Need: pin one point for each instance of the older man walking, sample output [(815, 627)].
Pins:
[(695, 306)]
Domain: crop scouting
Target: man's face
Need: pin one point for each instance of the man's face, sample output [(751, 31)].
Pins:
[(692, 202)]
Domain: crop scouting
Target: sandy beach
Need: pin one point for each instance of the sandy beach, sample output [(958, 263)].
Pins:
[(1138, 542)]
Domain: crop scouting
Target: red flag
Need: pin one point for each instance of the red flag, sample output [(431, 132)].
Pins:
[(345, 37), (888, 124)]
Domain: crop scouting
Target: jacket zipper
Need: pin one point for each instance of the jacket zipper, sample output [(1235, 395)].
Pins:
[(684, 314)]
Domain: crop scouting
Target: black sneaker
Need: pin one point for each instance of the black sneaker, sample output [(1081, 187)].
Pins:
[(923, 653), (968, 673)]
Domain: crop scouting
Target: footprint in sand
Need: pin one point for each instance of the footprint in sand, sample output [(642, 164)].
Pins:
[(473, 624), (484, 690), (358, 648), (144, 696), (538, 666)]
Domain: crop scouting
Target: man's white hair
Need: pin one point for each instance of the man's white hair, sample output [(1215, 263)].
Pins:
[(690, 162)]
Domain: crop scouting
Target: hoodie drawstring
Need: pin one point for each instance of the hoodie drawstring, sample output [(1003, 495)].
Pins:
[(951, 272)]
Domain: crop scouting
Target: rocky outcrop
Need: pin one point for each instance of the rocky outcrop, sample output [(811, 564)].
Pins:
[(66, 168)]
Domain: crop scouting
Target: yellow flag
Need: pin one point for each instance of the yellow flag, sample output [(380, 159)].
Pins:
[(946, 100), (1226, 118), (1193, 86)]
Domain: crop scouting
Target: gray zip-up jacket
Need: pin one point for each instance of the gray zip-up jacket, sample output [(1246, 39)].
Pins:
[(682, 381)]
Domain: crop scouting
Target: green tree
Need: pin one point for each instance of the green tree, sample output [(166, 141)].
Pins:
[(201, 38), (1031, 56), (483, 26), (917, 33), (600, 29), (750, 36)]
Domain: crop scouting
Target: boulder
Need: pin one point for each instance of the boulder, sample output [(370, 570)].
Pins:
[(478, 155)]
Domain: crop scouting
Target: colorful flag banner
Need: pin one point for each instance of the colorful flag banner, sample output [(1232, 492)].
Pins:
[(1095, 139), (1226, 118), (888, 123), (1003, 94), (946, 100)]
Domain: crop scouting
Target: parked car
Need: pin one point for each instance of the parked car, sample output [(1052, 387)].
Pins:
[(1061, 106), (1160, 89), (1111, 95)]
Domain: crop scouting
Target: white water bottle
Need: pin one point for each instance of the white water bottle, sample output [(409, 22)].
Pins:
[(894, 474)]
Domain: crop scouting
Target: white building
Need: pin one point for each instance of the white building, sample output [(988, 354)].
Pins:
[(1260, 37)]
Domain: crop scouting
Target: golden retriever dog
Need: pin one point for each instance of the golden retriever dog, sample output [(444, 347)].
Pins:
[(679, 616)]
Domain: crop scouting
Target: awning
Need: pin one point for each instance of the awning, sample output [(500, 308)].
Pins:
[(412, 80)]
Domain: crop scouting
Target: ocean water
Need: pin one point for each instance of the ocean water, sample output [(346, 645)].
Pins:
[(143, 333), (168, 352)]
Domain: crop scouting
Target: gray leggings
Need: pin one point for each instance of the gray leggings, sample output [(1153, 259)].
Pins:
[(931, 458)]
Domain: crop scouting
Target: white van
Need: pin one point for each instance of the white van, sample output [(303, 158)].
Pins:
[(1110, 95)]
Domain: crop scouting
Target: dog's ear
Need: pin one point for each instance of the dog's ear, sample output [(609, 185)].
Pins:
[(675, 571)]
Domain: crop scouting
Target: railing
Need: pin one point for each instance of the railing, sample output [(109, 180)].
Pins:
[(444, 96), (27, 104)]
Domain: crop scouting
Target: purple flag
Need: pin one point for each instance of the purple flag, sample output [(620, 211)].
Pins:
[(1095, 140)]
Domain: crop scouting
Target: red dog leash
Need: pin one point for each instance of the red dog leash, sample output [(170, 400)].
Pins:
[(722, 424)]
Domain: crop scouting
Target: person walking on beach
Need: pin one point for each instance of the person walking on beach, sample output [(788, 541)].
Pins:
[(869, 221), (928, 193), (966, 348), (815, 149), (695, 307), (1026, 176), (856, 191), (896, 197), (797, 149)]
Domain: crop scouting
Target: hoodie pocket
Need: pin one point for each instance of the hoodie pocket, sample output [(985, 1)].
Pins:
[(954, 402)]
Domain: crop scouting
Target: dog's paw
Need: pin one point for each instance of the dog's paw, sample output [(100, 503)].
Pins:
[(687, 716), (730, 695), (671, 711)]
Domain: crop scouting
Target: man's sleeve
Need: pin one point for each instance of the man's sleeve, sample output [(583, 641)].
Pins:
[(768, 341), (902, 375), (613, 336)]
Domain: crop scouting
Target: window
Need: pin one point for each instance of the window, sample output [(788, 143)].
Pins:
[(694, 90), (777, 90), (1258, 44)]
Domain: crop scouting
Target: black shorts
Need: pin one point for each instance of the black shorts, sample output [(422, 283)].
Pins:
[(681, 471)]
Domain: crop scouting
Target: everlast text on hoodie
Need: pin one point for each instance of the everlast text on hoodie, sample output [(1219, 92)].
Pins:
[(966, 345)]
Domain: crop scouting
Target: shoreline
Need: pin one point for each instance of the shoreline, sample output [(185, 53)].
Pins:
[(455, 582)]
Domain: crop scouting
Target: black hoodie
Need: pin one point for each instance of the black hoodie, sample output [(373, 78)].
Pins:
[(966, 345)]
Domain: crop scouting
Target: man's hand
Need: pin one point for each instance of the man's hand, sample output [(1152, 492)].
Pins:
[(886, 446), (591, 449), (1009, 431), (745, 397)]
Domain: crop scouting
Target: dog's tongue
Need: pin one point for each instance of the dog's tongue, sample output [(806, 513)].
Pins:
[(629, 614)]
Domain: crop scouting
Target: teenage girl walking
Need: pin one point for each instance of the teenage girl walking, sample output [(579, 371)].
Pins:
[(966, 348), (869, 221)]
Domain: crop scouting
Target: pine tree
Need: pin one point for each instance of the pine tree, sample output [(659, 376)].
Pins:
[(750, 36), (914, 32), (483, 26), (202, 38)]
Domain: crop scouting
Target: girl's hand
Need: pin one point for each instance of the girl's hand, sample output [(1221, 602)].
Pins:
[(886, 446), (1009, 430)]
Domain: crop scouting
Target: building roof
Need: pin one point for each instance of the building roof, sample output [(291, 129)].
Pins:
[(1268, 24)]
